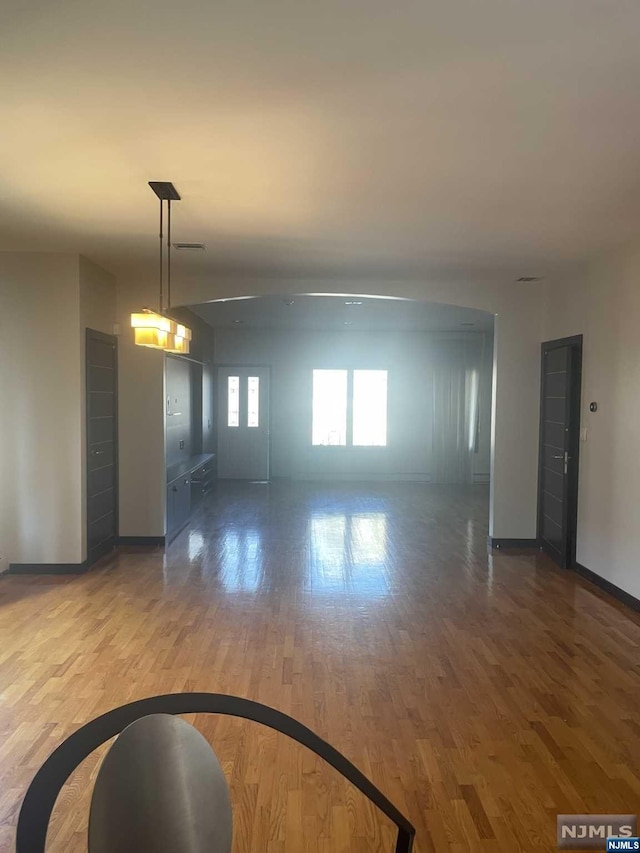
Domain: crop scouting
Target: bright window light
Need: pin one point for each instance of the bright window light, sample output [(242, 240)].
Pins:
[(329, 408), (253, 401), (370, 408), (233, 401)]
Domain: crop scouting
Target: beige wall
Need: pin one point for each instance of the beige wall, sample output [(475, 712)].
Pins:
[(40, 418), (45, 302), (409, 358), (604, 306), (97, 298), (515, 424), (140, 418)]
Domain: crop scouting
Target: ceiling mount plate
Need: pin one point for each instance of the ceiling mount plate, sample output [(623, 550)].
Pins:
[(165, 190)]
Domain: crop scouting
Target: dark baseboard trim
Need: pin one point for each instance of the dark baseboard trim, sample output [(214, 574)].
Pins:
[(508, 544), (619, 594), (100, 552), (48, 568), (149, 541)]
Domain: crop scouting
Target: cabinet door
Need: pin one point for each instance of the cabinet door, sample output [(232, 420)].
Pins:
[(171, 508), (183, 501)]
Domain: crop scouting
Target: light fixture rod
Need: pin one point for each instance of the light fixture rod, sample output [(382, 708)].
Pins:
[(158, 330), (168, 254), (161, 250)]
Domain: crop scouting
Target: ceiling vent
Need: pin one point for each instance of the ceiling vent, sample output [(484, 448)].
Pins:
[(194, 246), (529, 278)]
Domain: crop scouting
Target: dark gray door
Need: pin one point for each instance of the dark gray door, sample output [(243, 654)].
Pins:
[(559, 444), (102, 444)]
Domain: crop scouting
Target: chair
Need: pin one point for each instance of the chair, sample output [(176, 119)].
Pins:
[(160, 787)]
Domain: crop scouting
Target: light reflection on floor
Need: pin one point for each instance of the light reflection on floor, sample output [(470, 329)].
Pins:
[(196, 545), (348, 552), (242, 568), (353, 541)]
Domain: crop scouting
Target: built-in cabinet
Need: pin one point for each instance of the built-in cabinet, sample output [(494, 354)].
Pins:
[(188, 483), (203, 478), (189, 439), (178, 504)]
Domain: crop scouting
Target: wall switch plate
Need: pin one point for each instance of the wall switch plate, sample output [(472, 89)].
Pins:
[(182, 444), (583, 433)]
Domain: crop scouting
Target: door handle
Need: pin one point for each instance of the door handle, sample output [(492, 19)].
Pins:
[(566, 458), (97, 452)]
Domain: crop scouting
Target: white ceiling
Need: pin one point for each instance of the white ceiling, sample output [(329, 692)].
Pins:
[(335, 314), (342, 135)]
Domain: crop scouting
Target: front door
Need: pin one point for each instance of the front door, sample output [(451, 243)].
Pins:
[(243, 423), (102, 444), (559, 444)]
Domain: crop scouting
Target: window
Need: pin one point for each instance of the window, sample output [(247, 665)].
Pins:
[(370, 408), (349, 407), (253, 401), (329, 407), (233, 401)]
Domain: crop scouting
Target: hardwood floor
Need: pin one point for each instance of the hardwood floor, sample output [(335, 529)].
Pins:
[(483, 694)]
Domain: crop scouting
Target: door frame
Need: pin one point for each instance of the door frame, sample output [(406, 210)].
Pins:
[(568, 559), (106, 339), (224, 365)]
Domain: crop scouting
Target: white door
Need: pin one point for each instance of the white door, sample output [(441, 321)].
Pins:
[(243, 423)]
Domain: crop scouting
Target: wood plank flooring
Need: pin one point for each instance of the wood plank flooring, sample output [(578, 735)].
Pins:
[(483, 694)]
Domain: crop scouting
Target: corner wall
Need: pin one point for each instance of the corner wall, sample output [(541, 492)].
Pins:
[(603, 305), (142, 473), (40, 417), (46, 301)]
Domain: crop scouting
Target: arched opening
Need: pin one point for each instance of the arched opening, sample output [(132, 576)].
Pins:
[(346, 388), (360, 387), (513, 311)]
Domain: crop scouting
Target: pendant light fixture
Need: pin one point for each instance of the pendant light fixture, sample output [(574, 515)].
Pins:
[(154, 329)]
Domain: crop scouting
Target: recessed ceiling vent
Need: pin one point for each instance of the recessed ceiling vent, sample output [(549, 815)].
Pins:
[(529, 278), (193, 246)]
